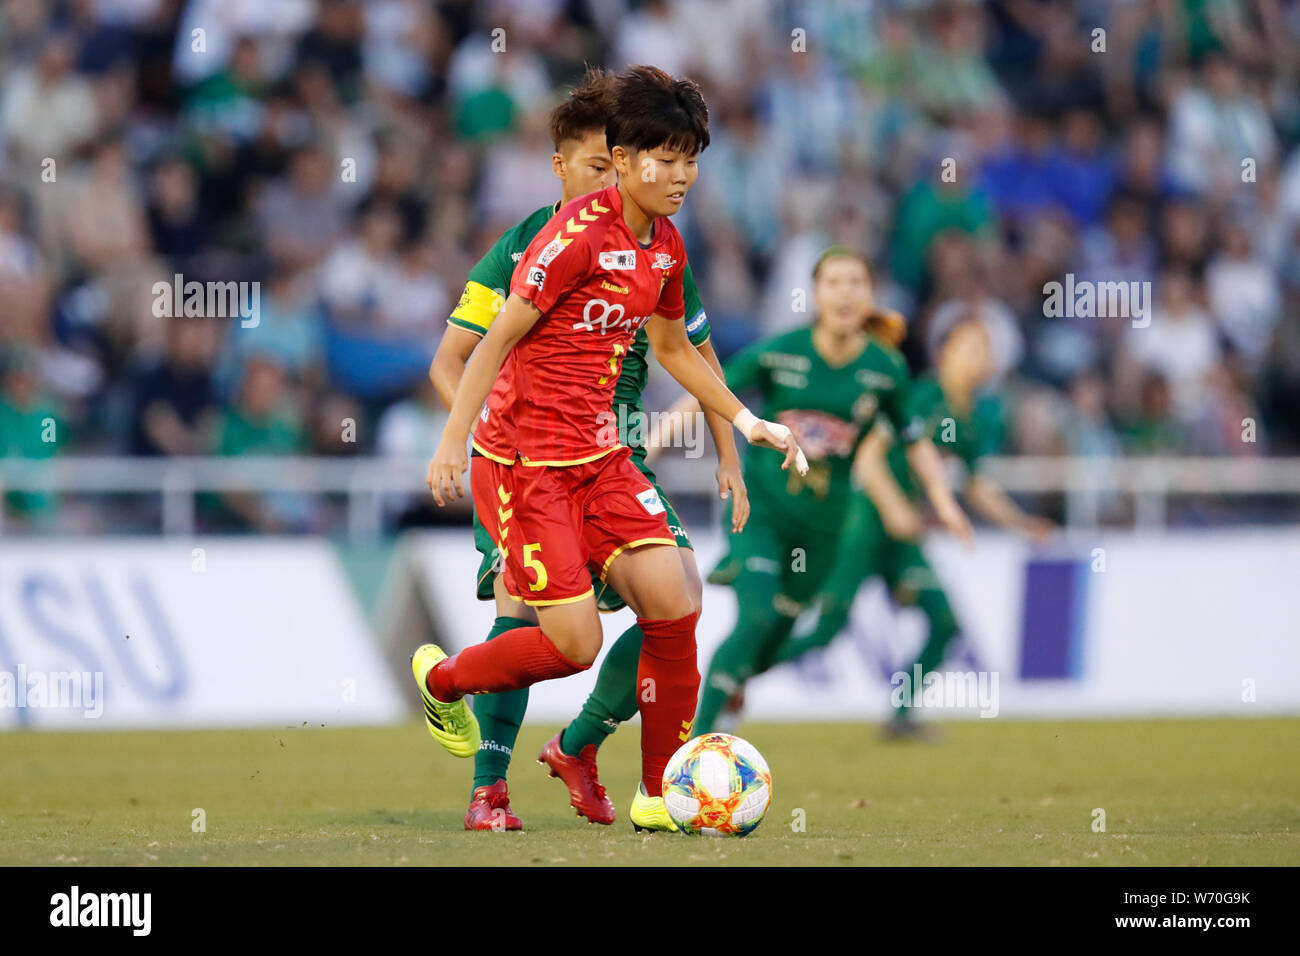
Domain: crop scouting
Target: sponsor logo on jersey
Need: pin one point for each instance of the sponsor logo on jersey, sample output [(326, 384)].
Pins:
[(610, 287), (618, 259), (516, 256), (602, 316), (536, 276), (663, 260), (696, 323), (820, 434), (553, 249), (650, 502)]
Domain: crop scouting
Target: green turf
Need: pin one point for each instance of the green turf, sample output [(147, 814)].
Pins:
[(1194, 792)]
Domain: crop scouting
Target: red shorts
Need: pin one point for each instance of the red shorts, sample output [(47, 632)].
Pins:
[(552, 522)]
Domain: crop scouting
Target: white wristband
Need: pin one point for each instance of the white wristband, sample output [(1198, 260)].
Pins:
[(745, 421)]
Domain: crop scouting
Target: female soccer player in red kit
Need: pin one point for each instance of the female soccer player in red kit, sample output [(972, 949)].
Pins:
[(549, 476)]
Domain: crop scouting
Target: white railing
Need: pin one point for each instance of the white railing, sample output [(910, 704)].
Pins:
[(1086, 483), (1089, 484)]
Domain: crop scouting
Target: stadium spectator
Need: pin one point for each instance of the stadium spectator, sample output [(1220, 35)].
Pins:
[(30, 428), (261, 423), (357, 158), (174, 407)]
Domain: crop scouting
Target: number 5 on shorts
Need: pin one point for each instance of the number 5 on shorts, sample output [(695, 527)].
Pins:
[(537, 567)]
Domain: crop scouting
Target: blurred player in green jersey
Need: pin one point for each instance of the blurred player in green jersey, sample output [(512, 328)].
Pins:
[(828, 382), (883, 526)]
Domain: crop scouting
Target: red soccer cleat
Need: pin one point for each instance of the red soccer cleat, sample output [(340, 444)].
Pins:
[(586, 795), (490, 809)]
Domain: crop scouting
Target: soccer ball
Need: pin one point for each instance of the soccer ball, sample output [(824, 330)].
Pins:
[(718, 785)]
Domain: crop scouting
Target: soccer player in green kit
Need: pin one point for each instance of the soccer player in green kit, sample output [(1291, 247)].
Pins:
[(883, 526), (828, 383), (583, 165)]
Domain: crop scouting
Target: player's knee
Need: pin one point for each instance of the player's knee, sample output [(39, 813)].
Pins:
[(584, 655), (580, 643), (672, 606), (584, 646)]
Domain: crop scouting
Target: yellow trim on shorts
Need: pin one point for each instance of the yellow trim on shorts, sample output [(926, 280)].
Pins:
[(633, 544), (529, 463), (590, 592), (487, 454)]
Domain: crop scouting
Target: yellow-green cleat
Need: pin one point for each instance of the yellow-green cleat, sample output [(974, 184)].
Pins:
[(650, 813), (452, 725)]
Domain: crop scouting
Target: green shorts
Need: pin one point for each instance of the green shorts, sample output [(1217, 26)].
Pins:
[(866, 550), (607, 599), (779, 554)]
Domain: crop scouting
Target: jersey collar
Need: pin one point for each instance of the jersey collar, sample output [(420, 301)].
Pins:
[(615, 199)]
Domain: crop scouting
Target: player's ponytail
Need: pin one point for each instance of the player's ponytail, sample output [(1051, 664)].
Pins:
[(888, 325)]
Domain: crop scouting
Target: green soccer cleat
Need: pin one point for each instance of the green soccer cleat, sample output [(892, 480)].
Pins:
[(452, 725), (649, 813)]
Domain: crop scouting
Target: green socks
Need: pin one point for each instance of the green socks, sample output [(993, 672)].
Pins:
[(943, 628), (612, 701), (760, 630), (830, 621), (499, 717)]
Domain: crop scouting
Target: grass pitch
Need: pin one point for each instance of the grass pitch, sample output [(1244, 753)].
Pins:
[(1174, 792)]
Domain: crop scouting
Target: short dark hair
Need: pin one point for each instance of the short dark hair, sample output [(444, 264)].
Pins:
[(585, 110), (651, 109)]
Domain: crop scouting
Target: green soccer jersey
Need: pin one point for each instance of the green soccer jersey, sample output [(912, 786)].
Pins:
[(632, 378), (485, 294), (829, 409), (969, 436)]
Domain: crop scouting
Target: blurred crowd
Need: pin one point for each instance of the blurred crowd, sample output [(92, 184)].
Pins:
[(355, 158)]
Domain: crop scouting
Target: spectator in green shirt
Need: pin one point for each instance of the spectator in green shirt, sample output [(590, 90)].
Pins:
[(29, 429), (261, 424)]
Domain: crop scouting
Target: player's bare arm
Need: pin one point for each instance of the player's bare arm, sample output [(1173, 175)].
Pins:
[(450, 460), (669, 428), (989, 498), (448, 365), (731, 484), (924, 459), (684, 363), (871, 468)]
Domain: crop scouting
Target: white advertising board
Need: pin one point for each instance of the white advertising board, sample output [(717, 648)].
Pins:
[(210, 632), (1118, 624)]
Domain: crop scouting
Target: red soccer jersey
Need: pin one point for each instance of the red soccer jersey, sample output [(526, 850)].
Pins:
[(595, 287)]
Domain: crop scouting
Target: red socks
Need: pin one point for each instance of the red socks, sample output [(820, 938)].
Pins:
[(667, 679), (667, 684), (515, 659)]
